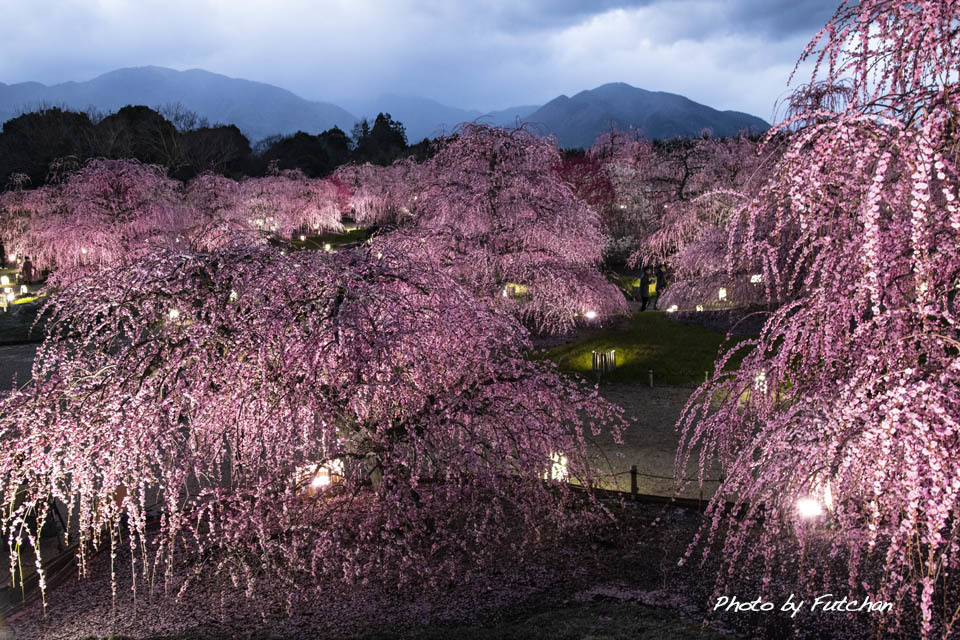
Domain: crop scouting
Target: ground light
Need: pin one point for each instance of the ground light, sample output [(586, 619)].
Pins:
[(809, 508), (558, 468), (722, 294), (590, 315)]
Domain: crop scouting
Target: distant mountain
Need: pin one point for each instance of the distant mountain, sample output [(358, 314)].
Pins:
[(425, 118), (259, 110), (262, 110), (577, 121)]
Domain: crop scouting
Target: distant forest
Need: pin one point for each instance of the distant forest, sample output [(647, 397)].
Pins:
[(42, 143)]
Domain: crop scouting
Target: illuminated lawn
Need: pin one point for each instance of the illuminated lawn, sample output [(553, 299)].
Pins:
[(677, 353)]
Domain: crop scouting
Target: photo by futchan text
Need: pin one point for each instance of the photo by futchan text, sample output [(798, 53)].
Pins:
[(793, 605)]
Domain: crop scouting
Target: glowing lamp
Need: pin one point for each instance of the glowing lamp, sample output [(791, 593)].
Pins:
[(233, 295), (303, 238), (379, 255), (327, 247), (809, 508), (311, 479), (13, 257), (623, 206), (722, 294), (10, 297), (672, 308), (24, 289), (83, 250), (504, 293), (173, 314), (591, 315), (756, 278), (4, 280), (699, 307)]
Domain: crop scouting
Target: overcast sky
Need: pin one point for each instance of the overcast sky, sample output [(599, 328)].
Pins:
[(729, 54)]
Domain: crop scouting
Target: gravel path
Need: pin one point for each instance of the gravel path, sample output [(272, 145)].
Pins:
[(650, 441)]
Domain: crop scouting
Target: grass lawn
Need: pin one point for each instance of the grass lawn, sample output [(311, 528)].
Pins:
[(351, 236), (677, 353)]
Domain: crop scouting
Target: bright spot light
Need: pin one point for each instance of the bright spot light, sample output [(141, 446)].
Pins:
[(174, 314), (558, 468), (233, 296), (4, 280), (379, 255), (809, 508), (327, 247), (303, 238), (83, 250), (504, 293), (24, 289), (756, 278), (314, 477), (11, 297), (672, 308), (760, 382), (722, 294), (623, 206), (699, 307), (13, 257), (591, 315)]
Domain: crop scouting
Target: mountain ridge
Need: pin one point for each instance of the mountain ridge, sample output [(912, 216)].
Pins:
[(261, 110)]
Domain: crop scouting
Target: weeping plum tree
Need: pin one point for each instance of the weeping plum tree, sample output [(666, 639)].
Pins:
[(97, 214), (697, 187), (381, 196), (294, 422), (492, 211), (839, 434), (93, 215)]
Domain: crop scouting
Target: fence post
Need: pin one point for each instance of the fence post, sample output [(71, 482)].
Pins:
[(650, 373), (633, 480)]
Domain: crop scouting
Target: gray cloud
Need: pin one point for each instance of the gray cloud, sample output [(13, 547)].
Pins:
[(731, 54)]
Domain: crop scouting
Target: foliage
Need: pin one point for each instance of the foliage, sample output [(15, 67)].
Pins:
[(213, 388), (852, 394)]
